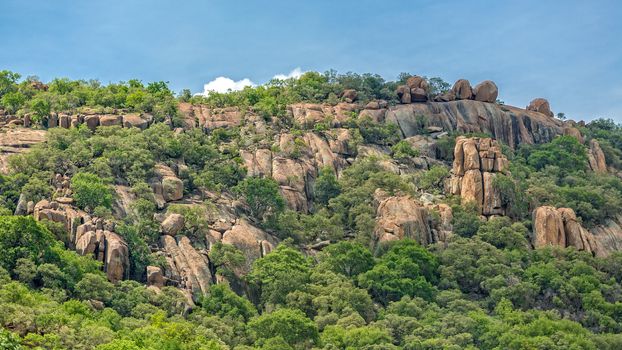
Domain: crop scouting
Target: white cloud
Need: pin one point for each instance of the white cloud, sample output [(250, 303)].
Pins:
[(296, 73), (224, 84)]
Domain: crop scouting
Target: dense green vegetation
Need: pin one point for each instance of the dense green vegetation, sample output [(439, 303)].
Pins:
[(484, 289), (403, 296)]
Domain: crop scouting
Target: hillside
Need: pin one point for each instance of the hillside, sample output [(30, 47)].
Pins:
[(332, 211)]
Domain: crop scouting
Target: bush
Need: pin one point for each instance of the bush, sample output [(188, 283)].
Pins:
[(403, 149), (381, 134)]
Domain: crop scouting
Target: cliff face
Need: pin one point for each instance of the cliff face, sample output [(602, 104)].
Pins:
[(513, 126)]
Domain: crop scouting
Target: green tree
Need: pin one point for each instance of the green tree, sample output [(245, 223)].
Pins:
[(94, 286), (262, 196), (502, 233), (13, 101), (564, 152), (22, 237), (90, 191), (282, 271), (40, 109), (347, 258), (9, 341), (291, 325), (403, 149), (326, 186), (405, 269), (8, 81), (221, 301)]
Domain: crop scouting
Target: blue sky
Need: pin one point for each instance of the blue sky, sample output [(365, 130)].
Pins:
[(567, 51)]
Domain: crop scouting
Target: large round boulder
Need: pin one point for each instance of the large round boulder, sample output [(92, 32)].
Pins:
[(462, 90), (540, 105), (172, 224), (486, 91)]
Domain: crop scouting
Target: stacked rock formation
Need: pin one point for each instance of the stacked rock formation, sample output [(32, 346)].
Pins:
[(476, 163), (415, 90), (166, 186), (559, 227), (187, 265), (89, 235)]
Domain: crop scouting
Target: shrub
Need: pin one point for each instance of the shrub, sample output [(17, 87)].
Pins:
[(403, 149)]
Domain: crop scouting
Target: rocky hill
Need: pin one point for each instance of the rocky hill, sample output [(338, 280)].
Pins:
[(420, 123), (431, 167)]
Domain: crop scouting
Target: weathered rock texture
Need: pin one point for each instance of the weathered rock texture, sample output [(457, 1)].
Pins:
[(596, 157), (187, 267), (89, 236), (540, 105), (15, 141), (513, 126), (609, 236), (297, 162), (462, 90), (199, 116), (399, 217), (560, 227), (172, 224), (486, 91), (476, 163), (166, 185), (92, 121)]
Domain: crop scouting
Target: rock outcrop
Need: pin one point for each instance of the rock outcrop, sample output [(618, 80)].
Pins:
[(252, 241), (309, 114), (15, 141), (166, 185), (596, 157), (92, 121), (476, 163), (559, 227), (172, 224), (155, 276), (298, 161), (187, 268), (609, 236), (399, 217), (513, 126), (90, 236), (200, 116)]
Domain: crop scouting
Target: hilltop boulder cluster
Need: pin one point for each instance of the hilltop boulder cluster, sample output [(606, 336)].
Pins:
[(417, 89)]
